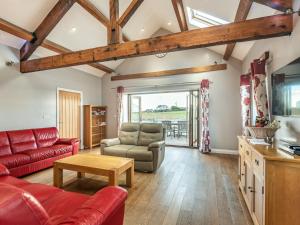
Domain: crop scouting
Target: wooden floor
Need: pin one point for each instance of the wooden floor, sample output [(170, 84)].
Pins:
[(189, 189)]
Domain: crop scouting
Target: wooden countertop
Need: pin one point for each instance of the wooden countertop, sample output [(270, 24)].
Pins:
[(271, 152)]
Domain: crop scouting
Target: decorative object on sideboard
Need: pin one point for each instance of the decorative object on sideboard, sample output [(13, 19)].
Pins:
[(267, 132)]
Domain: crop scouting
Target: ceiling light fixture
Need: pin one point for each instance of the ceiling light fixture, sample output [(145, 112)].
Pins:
[(73, 29), (142, 30), (169, 23), (161, 55)]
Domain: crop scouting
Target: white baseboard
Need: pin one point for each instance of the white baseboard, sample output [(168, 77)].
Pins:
[(225, 151)]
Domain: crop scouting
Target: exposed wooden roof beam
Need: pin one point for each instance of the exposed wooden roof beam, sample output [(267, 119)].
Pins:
[(95, 12), (26, 35), (134, 5), (15, 30), (280, 5), (61, 50), (114, 29), (180, 14), (92, 9), (260, 28), (47, 25), (164, 73), (241, 15)]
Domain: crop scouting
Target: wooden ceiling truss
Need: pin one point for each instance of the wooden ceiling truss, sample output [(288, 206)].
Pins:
[(238, 31)]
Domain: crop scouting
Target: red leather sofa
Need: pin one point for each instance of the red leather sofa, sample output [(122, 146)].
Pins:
[(24, 203), (27, 151)]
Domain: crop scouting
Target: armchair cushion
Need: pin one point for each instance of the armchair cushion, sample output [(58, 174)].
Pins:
[(110, 142)]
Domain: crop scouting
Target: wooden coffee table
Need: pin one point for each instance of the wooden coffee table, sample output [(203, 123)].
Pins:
[(109, 166)]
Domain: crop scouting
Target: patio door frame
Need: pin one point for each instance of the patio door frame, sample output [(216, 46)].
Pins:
[(190, 114)]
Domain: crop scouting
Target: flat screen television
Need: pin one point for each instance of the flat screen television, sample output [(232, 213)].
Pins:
[(286, 90)]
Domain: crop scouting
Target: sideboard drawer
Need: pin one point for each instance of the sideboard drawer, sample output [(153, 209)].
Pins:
[(258, 163)]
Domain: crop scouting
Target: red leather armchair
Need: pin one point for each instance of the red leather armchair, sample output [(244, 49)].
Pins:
[(26, 151), (37, 204)]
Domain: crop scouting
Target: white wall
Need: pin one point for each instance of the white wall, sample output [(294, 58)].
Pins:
[(29, 100), (225, 119), (283, 50)]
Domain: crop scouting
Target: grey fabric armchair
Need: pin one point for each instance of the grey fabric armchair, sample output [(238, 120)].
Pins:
[(145, 143)]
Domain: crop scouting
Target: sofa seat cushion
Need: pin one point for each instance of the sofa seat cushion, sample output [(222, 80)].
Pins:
[(16, 160), (62, 149), (41, 192), (140, 153), (13, 181), (39, 154), (4, 144), (117, 150), (56, 205)]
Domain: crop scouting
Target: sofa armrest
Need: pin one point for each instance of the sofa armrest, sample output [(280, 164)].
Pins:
[(69, 141), (110, 142), (3, 170), (157, 144), (105, 207)]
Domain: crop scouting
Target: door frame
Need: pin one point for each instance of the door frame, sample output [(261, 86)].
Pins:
[(129, 95), (81, 110)]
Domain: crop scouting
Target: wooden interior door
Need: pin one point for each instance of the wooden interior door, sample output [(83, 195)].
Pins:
[(69, 114)]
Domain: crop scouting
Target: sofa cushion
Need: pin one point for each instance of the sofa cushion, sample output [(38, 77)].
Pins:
[(46, 137), (62, 149), (129, 133), (39, 154), (21, 140), (16, 160), (128, 138), (13, 181), (56, 207), (19, 207), (4, 144), (117, 150), (140, 153), (150, 133), (41, 192)]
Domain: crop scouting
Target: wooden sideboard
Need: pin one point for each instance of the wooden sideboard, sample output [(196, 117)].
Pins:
[(269, 180)]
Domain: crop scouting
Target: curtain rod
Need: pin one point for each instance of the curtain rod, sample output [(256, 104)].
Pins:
[(164, 85)]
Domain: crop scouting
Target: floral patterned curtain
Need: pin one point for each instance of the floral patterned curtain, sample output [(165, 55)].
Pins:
[(258, 70), (245, 92), (120, 91), (205, 136)]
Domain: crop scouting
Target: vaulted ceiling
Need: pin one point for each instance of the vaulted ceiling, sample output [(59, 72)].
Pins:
[(80, 30)]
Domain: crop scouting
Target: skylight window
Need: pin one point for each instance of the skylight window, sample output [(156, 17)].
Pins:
[(202, 20)]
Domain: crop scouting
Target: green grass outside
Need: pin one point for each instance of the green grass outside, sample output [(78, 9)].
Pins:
[(159, 116)]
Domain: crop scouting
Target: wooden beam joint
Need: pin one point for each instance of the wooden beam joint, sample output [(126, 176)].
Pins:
[(47, 25)]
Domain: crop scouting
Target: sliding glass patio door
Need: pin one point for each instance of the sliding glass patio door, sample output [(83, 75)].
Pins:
[(177, 111)]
